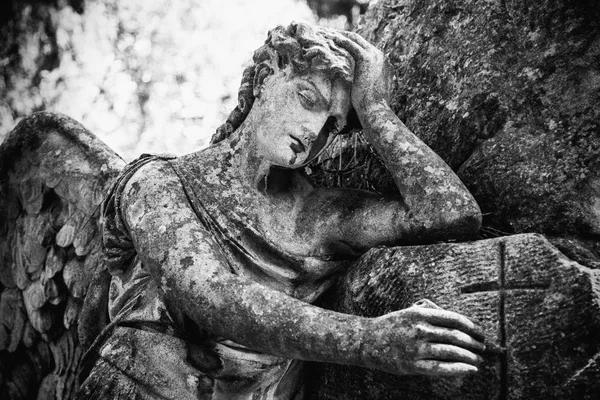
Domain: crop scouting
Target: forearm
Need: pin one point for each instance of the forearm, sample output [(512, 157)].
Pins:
[(432, 192), (263, 319)]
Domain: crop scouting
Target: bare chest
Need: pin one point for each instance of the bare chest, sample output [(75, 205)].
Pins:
[(270, 248)]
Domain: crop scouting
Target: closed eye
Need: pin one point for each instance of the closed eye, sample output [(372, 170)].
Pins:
[(307, 99)]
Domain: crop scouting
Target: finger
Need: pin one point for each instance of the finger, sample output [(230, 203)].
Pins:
[(357, 51), (444, 368), (450, 319), (358, 39), (448, 352), (455, 337)]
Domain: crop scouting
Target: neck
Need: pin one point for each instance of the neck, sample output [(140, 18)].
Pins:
[(246, 165)]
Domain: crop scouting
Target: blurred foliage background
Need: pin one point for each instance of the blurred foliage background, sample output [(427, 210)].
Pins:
[(144, 75)]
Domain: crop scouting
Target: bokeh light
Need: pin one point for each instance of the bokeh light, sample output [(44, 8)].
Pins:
[(147, 76)]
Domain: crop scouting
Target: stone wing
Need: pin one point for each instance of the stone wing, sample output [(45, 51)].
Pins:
[(54, 175)]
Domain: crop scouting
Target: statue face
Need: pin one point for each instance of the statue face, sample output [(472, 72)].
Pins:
[(296, 115)]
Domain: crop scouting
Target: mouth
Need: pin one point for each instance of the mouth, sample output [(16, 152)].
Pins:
[(297, 146)]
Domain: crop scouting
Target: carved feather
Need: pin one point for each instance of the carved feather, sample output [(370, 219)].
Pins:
[(12, 319), (83, 238), (29, 253), (20, 274), (74, 277), (6, 276), (55, 262), (71, 312), (48, 387), (99, 193), (62, 189), (32, 254), (53, 292), (65, 235), (30, 335), (52, 180), (44, 230), (86, 194), (31, 194), (61, 349), (34, 296), (41, 319), (58, 214)]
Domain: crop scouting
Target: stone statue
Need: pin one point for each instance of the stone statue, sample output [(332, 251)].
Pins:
[(197, 280)]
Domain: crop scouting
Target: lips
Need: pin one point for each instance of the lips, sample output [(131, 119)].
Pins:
[(297, 146)]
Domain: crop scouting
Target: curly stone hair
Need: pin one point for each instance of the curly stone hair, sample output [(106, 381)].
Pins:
[(303, 48)]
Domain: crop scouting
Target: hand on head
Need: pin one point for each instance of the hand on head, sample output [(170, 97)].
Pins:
[(372, 83)]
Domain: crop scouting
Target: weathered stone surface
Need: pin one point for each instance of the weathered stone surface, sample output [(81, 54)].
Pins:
[(540, 310), (508, 93)]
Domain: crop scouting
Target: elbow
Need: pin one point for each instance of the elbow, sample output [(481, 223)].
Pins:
[(460, 222), (464, 222), (470, 223)]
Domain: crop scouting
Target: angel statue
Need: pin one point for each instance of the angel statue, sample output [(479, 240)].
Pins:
[(196, 277)]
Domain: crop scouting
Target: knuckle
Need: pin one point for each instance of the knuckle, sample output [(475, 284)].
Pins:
[(415, 352), (421, 331), (423, 367)]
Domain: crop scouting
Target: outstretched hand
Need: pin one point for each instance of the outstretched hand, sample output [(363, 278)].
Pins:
[(422, 340), (372, 83)]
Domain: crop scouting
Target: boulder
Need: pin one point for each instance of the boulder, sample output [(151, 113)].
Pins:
[(508, 93)]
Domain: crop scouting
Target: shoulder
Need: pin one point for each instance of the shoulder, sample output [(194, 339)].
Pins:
[(132, 190), (150, 179), (139, 182), (153, 188), (162, 222)]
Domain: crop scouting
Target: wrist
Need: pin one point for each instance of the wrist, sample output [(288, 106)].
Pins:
[(370, 104), (354, 343), (371, 344), (372, 114)]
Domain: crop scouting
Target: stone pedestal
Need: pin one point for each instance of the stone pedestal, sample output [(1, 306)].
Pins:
[(540, 311)]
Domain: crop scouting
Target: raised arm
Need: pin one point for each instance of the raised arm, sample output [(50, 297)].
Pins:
[(194, 277), (435, 204)]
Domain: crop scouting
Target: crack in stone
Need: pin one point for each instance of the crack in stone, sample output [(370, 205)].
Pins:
[(502, 322)]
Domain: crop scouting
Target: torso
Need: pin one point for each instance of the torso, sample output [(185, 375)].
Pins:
[(263, 240), (298, 261)]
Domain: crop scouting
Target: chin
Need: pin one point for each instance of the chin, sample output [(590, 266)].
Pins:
[(301, 161)]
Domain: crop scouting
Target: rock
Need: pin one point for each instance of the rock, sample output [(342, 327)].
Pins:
[(540, 311), (508, 93)]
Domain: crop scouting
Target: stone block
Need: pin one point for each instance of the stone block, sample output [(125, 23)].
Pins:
[(540, 311)]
